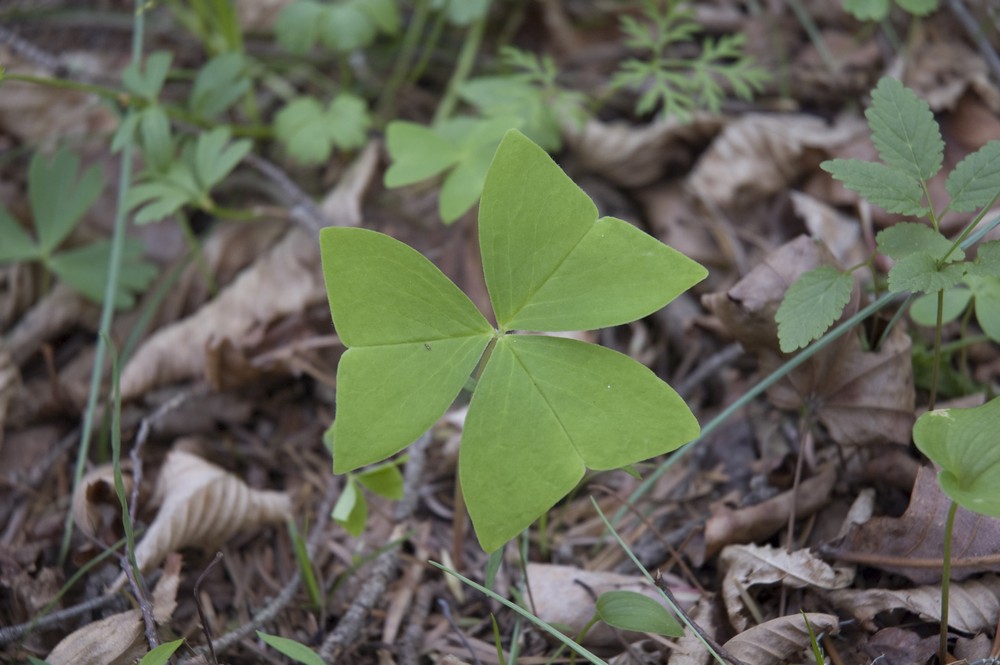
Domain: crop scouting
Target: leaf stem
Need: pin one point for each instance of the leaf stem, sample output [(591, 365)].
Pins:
[(466, 59), (936, 355), (946, 583), (386, 105)]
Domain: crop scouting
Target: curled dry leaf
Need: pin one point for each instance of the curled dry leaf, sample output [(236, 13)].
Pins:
[(861, 397), (563, 596), (777, 640), (95, 504), (973, 605), (840, 233), (202, 505), (912, 545), (342, 205), (762, 520), (120, 638), (759, 155), (633, 156), (943, 70), (690, 650), (751, 565), (60, 310)]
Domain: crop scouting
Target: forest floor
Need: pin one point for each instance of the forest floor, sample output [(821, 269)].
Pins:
[(810, 498)]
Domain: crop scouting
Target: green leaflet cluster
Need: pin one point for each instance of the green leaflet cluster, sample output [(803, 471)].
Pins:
[(544, 408), (909, 144)]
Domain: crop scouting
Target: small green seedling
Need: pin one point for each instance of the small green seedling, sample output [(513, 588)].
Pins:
[(878, 10), (161, 654), (310, 132), (544, 408), (909, 143), (59, 197), (344, 26), (297, 651), (630, 610), (351, 509)]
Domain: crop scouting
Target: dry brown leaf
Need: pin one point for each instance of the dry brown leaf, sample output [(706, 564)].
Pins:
[(898, 544), (751, 565), (777, 640), (60, 310), (690, 650), (633, 156), (840, 233), (95, 504), (343, 204), (762, 520), (897, 646), (560, 596), (202, 505), (120, 638), (942, 70), (10, 384), (759, 155), (861, 397), (973, 605)]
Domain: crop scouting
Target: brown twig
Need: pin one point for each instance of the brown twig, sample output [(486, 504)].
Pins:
[(205, 626)]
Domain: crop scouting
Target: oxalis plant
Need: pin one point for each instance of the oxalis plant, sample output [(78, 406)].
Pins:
[(960, 441), (543, 409)]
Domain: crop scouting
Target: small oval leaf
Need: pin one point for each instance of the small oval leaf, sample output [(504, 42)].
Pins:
[(629, 610)]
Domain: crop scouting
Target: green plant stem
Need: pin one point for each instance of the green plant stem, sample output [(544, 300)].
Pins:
[(433, 38), (386, 105), (194, 245), (777, 375), (466, 59), (110, 288), (936, 355), (945, 583), (815, 36)]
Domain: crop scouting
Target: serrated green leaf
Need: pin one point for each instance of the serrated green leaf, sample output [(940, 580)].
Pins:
[(148, 82), (547, 408), (413, 337), (629, 610), (924, 309), (298, 26), (219, 83), (812, 303), (300, 653), (385, 480), (919, 272), (886, 187), (963, 443), (17, 245), (552, 265), (161, 654), (58, 198), (904, 130), (975, 181), (867, 10), (986, 291), (417, 153), (348, 121), (351, 509), (345, 28), (85, 269), (904, 238), (987, 263)]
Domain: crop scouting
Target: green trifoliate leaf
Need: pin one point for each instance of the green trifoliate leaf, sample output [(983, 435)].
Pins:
[(413, 337), (300, 653), (986, 291), (812, 303), (215, 157), (963, 442), (924, 309), (218, 85), (987, 263), (886, 187), (905, 238), (975, 182), (348, 121), (85, 269), (417, 153), (60, 196), (310, 132), (904, 130), (552, 265), (547, 408), (629, 610), (148, 82), (919, 272)]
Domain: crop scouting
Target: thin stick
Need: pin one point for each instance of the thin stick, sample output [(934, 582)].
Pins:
[(205, 627)]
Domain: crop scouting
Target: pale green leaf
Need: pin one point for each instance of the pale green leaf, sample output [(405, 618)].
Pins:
[(905, 238), (963, 443), (298, 26), (904, 130), (464, 184), (630, 610), (918, 7), (385, 480), (924, 309), (161, 654), (17, 245), (147, 82), (351, 509), (867, 10), (545, 409), (414, 339), (157, 144), (345, 28), (461, 12), (919, 272), (218, 85), (987, 261), (58, 197), (812, 303), (886, 187), (85, 269), (348, 121), (384, 13), (300, 653), (986, 291), (215, 156), (417, 153), (975, 181), (301, 127), (552, 265)]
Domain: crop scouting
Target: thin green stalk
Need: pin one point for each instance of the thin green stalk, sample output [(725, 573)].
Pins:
[(466, 59), (815, 36), (429, 45), (946, 583), (936, 355), (194, 246), (110, 287), (386, 105), (777, 375)]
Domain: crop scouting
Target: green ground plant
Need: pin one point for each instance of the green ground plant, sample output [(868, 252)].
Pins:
[(543, 408)]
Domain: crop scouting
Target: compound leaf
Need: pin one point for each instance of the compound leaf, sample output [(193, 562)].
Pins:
[(298, 26), (17, 245), (905, 238), (58, 198), (215, 157), (218, 85), (413, 337), (345, 28), (919, 272), (545, 409), (86, 270), (975, 181), (812, 303), (348, 121), (886, 187), (630, 610), (301, 127), (904, 130), (148, 82), (417, 153), (963, 443), (551, 264)]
